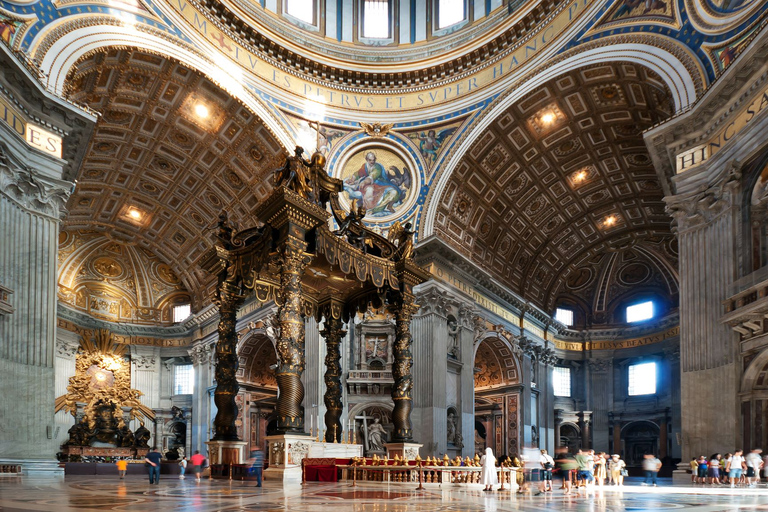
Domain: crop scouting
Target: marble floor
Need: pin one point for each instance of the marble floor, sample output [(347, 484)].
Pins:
[(135, 494)]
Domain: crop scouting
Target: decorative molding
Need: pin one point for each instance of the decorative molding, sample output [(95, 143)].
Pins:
[(32, 193), (66, 350), (144, 362), (599, 365)]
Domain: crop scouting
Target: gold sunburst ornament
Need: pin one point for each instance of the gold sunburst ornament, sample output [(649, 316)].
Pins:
[(102, 376)]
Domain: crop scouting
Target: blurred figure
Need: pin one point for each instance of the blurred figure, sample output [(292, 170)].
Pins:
[(568, 466), (651, 466), (257, 465), (547, 464)]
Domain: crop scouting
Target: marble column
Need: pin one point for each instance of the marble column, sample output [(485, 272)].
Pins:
[(29, 229), (600, 400), (201, 354), (430, 337), (312, 378)]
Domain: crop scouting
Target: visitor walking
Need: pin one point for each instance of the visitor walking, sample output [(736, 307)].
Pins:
[(702, 470), (584, 476), (754, 462), (153, 458), (257, 465), (694, 470), (600, 469), (182, 467), (547, 464), (488, 473), (568, 466), (735, 467), (122, 468), (651, 466), (197, 464)]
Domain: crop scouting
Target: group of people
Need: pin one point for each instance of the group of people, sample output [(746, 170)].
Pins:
[(153, 461), (580, 470), (733, 468)]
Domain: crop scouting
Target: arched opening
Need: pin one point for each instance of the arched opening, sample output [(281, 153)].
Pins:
[(639, 438), (497, 396), (259, 387), (570, 437)]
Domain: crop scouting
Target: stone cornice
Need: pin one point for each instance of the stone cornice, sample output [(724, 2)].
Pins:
[(315, 64), (434, 249), (618, 333), (711, 111)]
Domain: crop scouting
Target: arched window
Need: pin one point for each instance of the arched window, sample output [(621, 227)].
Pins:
[(376, 19), (302, 10), (450, 12)]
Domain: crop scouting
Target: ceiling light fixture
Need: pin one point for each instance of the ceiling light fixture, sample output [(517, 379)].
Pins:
[(548, 117), (202, 111), (134, 214), (610, 220), (580, 176)]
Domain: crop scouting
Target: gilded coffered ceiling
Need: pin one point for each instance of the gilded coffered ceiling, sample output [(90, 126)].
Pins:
[(170, 151), (561, 178)]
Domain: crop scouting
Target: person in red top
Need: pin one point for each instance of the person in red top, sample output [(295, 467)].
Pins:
[(197, 464)]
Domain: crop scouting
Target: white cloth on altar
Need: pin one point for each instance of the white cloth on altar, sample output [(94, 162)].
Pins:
[(488, 475)]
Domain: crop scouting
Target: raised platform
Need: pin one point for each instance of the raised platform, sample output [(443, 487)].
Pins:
[(93, 451)]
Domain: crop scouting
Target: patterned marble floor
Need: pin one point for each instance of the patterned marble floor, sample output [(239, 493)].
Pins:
[(135, 494)]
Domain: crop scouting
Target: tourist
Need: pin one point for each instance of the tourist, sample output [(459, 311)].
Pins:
[(616, 467), (735, 467), (122, 467), (724, 468), (713, 472), (197, 464), (488, 474), (651, 466), (153, 458), (257, 465), (754, 462), (182, 467), (600, 470), (694, 470), (584, 476), (547, 463), (568, 466), (702, 470)]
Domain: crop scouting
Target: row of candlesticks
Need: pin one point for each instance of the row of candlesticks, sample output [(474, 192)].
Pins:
[(319, 434)]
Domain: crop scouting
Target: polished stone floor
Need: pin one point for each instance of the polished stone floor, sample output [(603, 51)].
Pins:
[(135, 494)]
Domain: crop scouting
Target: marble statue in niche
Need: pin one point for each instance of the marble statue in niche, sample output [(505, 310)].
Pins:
[(377, 436)]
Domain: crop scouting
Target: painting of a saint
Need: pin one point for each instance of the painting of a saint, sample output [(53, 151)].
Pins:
[(431, 141), (380, 180)]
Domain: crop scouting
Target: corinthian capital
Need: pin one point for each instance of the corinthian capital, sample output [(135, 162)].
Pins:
[(33, 193)]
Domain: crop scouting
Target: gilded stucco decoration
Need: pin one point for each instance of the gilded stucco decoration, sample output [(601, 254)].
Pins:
[(101, 390), (495, 365), (116, 281)]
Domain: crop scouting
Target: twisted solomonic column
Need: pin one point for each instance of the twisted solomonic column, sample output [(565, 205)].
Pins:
[(290, 343), (229, 301), (402, 391), (333, 333)]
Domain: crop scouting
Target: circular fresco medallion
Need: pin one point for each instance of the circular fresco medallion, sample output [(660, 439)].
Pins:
[(380, 177), (167, 274), (634, 273), (107, 267)]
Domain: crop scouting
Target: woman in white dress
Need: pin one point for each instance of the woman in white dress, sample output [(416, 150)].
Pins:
[(488, 474)]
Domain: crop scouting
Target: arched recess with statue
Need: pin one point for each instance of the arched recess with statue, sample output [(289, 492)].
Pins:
[(498, 396)]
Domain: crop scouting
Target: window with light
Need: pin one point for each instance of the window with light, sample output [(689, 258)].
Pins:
[(561, 380), (376, 19), (642, 379), (640, 312), (449, 12), (303, 10), (564, 316), (181, 313), (183, 379)]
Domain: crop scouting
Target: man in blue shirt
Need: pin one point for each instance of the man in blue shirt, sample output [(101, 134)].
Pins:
[(153, 459), (257, 456)]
